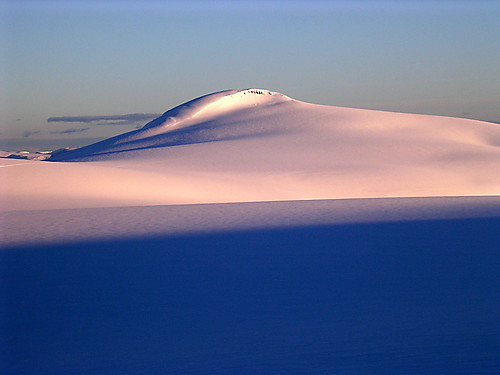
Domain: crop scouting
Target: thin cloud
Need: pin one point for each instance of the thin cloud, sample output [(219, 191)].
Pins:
[(28, 133), (127, 119), (69, 131)]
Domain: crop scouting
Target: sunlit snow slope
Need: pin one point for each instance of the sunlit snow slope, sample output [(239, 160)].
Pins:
[(258, 145)]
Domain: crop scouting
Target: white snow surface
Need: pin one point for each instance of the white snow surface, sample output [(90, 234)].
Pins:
[(257, 145)]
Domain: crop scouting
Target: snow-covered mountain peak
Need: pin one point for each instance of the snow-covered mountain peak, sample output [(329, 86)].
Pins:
[(216, 104), (263, 130)]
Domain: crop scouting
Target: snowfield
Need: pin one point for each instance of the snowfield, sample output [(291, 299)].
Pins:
[(257, 145), (245, 232)]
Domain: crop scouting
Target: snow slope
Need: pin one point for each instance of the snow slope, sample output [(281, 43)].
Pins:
[(257, 145), (196, 121)]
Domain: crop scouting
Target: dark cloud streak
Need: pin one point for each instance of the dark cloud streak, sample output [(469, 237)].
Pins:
[(69, 131), (127, 119), (28, 133)]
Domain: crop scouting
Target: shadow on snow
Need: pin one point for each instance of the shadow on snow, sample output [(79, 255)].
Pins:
[(413, 297)]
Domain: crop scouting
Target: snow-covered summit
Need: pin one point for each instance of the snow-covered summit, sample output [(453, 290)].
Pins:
[(216, 104)]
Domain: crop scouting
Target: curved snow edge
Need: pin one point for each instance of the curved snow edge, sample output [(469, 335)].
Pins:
[(196, 107)]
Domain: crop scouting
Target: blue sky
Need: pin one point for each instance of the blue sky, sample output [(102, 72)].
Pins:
[(85, 58)]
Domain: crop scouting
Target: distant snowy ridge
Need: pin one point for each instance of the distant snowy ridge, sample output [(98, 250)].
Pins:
[(238, 114)]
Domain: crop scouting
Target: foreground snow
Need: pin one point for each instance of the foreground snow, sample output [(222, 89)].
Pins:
[(256, 145), (404, 297)]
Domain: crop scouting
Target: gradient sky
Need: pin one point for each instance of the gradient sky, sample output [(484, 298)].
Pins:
[(86, 58)]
